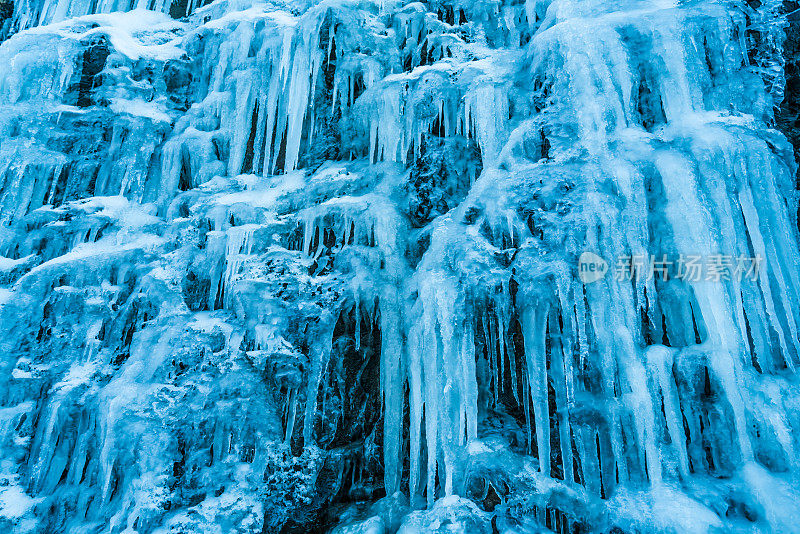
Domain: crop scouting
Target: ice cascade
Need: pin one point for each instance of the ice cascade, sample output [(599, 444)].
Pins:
[(314, 266)]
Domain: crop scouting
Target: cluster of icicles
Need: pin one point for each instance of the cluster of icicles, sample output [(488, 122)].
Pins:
[(630, 382), (666, 370)]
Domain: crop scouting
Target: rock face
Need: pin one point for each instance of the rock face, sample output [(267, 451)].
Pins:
[(310, 267)]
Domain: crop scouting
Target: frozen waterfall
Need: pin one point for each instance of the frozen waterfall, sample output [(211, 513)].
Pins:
[(370, 267)]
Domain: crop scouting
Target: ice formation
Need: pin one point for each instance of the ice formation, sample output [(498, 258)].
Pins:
[(312, 266)]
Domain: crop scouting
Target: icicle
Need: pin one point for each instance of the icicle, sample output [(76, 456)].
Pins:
[(239, 245), (298, 101), (659, 361), (469, 387), (416, 397), (291, 416), (319, 362), (558, 357), (580, 320), (497, 347), (357, 312), (567, 338), (392, 388), (493, 372), (534, 324)]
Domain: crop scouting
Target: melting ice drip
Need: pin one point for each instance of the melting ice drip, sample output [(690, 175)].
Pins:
[(340, 260)]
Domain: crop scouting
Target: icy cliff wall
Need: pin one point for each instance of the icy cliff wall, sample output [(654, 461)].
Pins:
[(304, 266)]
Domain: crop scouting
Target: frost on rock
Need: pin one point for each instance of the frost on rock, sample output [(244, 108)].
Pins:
[(310, 267)]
